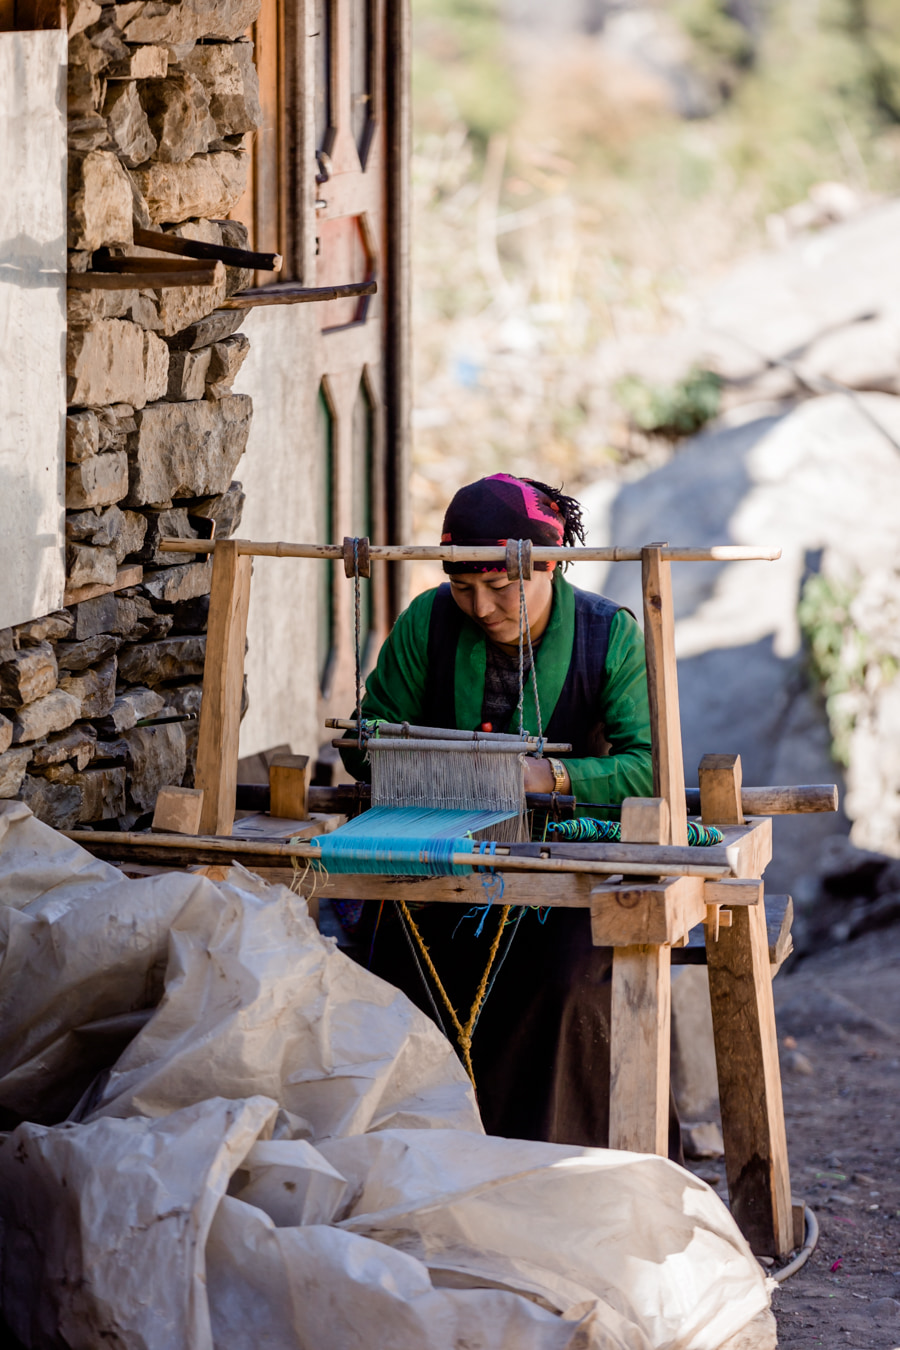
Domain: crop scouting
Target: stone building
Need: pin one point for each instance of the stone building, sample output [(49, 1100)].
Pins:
[(130, 412)]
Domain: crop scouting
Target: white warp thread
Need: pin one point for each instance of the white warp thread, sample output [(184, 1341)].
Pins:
[(448, 780)]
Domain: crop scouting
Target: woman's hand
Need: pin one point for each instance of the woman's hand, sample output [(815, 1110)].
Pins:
[(539, 777)]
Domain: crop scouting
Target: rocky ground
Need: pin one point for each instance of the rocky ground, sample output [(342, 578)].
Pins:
[(839, 1031)]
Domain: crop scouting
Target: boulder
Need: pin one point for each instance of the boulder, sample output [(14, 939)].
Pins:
[(186, 449), (95, 687), (178, 307), (213, 328), (27, 675), (141, 63), (105, 363), (226, 359), (98, 481), (6, 733), (185, 700), (174, 584), (8, 644), (100, 201), (103, 793), (78, 744), (53, 712), (192, 616), (122, 531), (94, 616), (13, 764), (82, 436), (50, 628), (84, 94), (187, 21), (131, 707), (128, 124), (131, 537), (79, 655), (231, 84), (168, 659), (156, 758), (225, 510), (89, 566), (172, 523), (207, 185), (90, 132), (178, 112), (56, 804), (80, 14), (156, 360), (187, 374)]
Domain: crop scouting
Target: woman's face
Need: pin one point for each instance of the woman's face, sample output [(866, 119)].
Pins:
[(492, 601)]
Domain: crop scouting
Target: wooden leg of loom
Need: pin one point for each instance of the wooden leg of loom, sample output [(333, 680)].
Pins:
[(641, 1014), (639, 1049), (223, 681), (740, 988)]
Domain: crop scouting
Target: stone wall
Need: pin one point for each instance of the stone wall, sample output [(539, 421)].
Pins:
[(99, 701)]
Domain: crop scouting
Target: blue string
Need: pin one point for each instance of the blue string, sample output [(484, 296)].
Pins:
[(407, 841)]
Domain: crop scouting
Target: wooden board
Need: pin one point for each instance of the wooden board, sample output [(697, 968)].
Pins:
[(662, 687), (278, 829), (634, 914), (748, 847), (639, 1049), (521, 888), (756, 1161), (223, 680)]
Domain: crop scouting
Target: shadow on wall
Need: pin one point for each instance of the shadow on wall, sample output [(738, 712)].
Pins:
[(742, 683)]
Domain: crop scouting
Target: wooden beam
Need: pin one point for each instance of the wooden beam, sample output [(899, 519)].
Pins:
[(720, 790), (645, 820), (756, 1161), (289, 777), (662, 688), (196, 248), (624, 914), (795, 799), (155, 280), (286, 293), (223, 680)]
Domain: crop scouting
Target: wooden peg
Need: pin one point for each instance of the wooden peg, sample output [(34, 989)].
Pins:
[(356, 556), (645, 820), (712, 923), (512, 559), (178, 810), (289, 777), (720, 790)]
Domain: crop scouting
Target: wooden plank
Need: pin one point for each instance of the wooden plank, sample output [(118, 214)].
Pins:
[(779, 919), (756, 1161), (223, 679), (662, 688), (178, 810), (627, 914), (160, 278), (639, 1049), (289, 777), (731, 891), (748, 847), (264, 827), (131, 575), (720, 790)]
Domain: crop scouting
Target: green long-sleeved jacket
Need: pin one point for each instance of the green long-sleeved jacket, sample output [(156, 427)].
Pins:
[(396, 688)]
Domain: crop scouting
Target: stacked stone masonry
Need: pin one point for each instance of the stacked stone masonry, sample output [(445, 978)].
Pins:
[(99, 702)]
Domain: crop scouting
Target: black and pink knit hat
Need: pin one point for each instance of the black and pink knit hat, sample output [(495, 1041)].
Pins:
[(499, 508)]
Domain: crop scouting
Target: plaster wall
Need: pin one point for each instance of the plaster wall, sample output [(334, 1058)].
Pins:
[(32, 323), (280, 477)]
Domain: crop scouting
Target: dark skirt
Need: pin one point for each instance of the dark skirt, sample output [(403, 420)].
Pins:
[(541, 1046)]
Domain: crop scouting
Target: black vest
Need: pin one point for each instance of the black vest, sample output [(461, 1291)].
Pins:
[(576, 717)]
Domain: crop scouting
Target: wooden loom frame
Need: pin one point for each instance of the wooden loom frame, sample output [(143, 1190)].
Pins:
[(641, 919)]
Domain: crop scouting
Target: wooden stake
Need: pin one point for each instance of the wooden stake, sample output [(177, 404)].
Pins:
[(289, 777), (223, 682), (662, 687), (640, 1017), (720, 790)]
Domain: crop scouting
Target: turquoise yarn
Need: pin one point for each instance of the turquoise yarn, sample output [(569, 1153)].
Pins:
[(406, 841), (585, 829)]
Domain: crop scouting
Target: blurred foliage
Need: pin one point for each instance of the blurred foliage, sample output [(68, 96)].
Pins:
[(459, 68), (673, 410), (843, 659)]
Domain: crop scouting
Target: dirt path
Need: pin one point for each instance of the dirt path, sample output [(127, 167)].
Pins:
[(841, 1068)]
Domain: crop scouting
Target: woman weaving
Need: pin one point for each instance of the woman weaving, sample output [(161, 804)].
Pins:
[(541, 1051)]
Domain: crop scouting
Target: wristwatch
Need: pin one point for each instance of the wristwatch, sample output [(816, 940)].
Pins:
[(559, 774)]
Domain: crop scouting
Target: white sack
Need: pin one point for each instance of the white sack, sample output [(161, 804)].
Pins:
[(103, 1227)]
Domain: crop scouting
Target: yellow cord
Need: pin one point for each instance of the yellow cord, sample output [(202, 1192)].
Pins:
[(465, 1033)]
